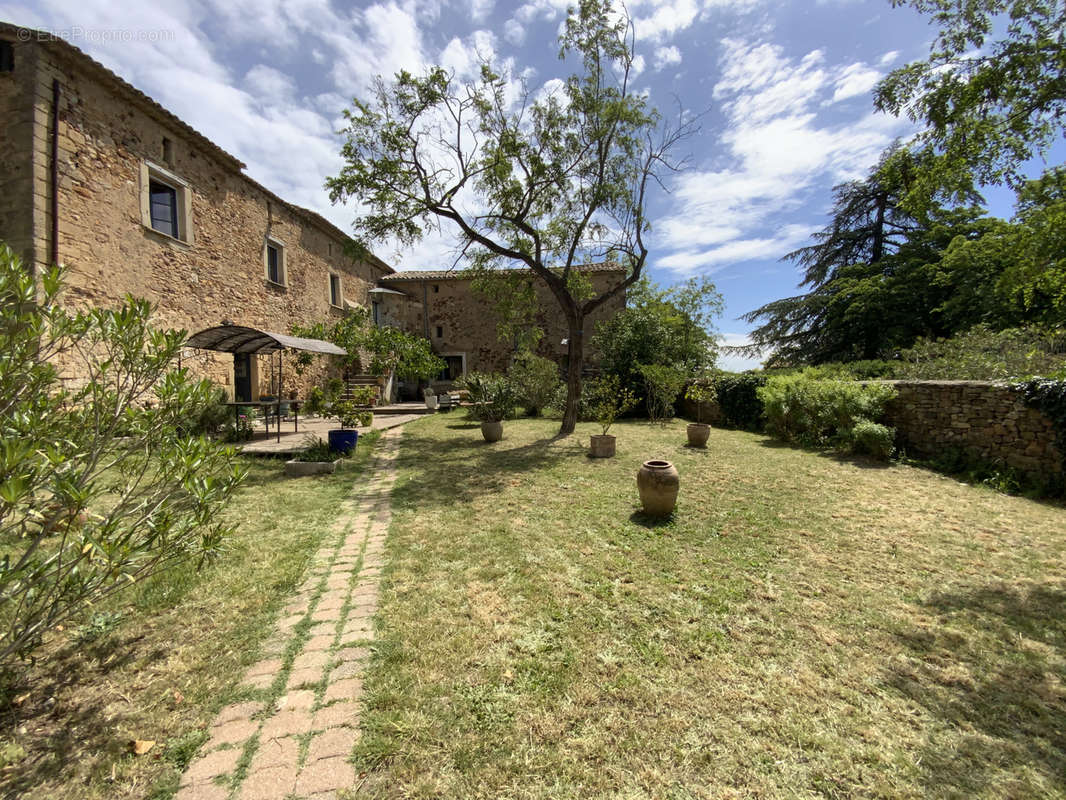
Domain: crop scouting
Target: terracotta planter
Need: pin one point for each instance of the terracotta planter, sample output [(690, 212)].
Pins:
[(601, 446), (658, 483), (492, 431), (698, 432)]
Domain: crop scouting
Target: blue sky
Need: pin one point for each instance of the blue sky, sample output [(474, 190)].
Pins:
[(785, 87)]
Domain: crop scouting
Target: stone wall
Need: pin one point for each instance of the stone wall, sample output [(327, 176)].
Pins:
[(16, 168), (989, 422), (462, 322), (107, 136)]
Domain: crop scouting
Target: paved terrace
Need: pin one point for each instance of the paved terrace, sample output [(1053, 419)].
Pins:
[(263, 444)]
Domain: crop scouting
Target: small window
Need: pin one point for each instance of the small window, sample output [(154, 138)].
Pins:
[(440, 331), (163, 207), (335, 290), (7, 57), (436, 288), (274, 262), (168, 151)]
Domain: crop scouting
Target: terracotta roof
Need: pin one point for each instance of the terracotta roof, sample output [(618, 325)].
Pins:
[(60, 45), (462, 274)]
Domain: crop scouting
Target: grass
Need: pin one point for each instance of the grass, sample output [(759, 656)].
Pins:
[(158, 663), (805, 626)]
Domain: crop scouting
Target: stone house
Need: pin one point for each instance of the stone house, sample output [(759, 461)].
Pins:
[(97, 176)]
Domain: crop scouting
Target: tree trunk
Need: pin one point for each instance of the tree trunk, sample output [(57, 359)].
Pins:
[(573, 375)]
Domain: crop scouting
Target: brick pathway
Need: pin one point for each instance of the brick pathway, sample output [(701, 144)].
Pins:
[(293, 735)]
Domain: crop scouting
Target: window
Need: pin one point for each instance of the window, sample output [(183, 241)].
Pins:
[(166, 203), (274, 261), (168, 151), (163, 208), (436, 288), (7, 57), (335, 295), (440, 331)]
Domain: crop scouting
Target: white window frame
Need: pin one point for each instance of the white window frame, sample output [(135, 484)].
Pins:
[(151, 171), (283, 267)]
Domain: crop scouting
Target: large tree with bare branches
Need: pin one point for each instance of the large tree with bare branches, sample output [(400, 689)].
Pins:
[(545, 181)]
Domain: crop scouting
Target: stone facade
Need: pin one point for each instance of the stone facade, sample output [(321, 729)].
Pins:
[(114, 147), (989, 422), (111, 139), (462, 324)]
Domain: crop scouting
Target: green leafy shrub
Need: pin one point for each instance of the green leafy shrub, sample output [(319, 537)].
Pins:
[(662, 385), (316, 449), (607, 399), (316, 401), (872, 439), (536, 381), (800, 408), (83, 512), (983, 354), (210, 419), (492, 397), (700, 393), (738, 400)]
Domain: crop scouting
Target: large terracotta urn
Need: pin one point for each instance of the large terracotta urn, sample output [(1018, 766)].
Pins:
[(698, 433), (492, 431), (658, 483), (601, 446)]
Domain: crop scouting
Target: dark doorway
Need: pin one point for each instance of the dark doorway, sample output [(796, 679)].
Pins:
[(242, 377), (454, 369)]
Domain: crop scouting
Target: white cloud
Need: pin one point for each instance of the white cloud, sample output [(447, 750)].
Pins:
[(888, 58), (666, 56), (855, 79), (665, 20), (514, 31), (268, 82), (780, 142), (480, 9)]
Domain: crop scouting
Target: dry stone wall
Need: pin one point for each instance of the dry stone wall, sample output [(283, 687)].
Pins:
[(986, 421)]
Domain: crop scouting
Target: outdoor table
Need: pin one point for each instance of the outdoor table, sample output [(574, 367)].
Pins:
[(276, 405)]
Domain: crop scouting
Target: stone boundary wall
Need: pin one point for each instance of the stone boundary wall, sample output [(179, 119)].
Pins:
[(987, 421)]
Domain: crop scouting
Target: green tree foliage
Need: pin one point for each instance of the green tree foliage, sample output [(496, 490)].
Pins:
[(536, 381), (606, 399), (875, 276), (662, 386), (547, 184), (388, 350), (984, 354), (671, 327), (987, 100), (513, 294), (99, 488)]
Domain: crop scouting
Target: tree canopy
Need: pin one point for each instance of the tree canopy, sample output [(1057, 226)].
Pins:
[(991, 93), (546, 181)]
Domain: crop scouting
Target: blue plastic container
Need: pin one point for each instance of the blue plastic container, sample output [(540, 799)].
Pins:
[(342, 440)]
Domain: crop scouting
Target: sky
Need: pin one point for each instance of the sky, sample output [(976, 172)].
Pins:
[(783, 86)]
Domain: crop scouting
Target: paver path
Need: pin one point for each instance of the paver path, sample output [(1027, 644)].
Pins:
[(293, 738)]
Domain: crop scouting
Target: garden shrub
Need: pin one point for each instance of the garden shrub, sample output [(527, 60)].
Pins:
[(492, 396), (662, 385), (209, 419), (982, 354), (800, 408), (738, 400), (536, 381), (872, 439), (606, 399), (83, 512)]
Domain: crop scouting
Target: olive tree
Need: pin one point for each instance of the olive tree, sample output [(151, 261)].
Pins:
[(544, 181), (99, 488)]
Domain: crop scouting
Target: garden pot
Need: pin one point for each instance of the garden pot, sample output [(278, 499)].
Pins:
[(658, 483), (698, 432), (297, 469), (342, 440), (601, 446), (492, 431), (431, 402)]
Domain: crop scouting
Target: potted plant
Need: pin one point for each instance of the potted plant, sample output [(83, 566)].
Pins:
[(317, 458), (699, 393), (350, 411), (607, 399), (492, 399)]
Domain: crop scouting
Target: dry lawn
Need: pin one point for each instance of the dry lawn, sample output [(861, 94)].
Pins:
[(806, 626)]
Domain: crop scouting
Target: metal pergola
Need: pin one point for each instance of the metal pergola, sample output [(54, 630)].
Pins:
[(252, 341)]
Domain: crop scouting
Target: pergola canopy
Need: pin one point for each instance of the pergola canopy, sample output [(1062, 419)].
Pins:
[(241, 339)]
